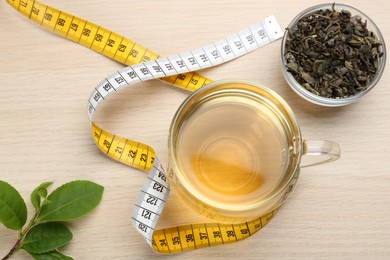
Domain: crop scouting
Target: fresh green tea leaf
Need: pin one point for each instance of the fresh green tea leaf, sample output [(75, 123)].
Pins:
[(35, 200), (46, 237), (53, 255), (13, 210), (39, 193), (42, 192), (71, 200), (45, 202)]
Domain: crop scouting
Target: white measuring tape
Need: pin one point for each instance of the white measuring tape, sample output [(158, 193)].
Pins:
[(154, 193)]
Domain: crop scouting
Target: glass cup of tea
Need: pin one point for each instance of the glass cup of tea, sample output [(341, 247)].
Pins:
[(235, 150)]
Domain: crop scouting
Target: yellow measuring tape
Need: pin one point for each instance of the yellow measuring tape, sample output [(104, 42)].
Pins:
[(175, 70)]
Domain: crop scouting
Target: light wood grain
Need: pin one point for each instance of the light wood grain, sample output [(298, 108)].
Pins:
[(338, 211)]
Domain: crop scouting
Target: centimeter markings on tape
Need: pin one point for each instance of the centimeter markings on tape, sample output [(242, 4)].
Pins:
[(99, 39), (176, 70), (224, 50)]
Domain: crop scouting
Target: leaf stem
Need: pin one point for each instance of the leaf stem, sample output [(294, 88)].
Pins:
[(22, 233), (13, 249)]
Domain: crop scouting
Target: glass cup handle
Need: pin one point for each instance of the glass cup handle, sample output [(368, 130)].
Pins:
[(321, 151)]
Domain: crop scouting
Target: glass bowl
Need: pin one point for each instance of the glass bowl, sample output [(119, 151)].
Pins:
[(339, 101)]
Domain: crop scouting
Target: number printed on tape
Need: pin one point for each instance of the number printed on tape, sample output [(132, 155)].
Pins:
[(175, 69)]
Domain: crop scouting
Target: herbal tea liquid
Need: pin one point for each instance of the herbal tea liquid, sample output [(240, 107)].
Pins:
[(232, 150)]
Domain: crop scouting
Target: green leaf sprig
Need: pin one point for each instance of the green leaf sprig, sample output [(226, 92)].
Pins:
[(45, 233)]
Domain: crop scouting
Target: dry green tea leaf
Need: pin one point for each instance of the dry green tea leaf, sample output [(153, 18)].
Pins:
[(332, 53)]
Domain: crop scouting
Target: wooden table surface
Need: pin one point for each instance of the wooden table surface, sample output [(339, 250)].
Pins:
[(338, 211)]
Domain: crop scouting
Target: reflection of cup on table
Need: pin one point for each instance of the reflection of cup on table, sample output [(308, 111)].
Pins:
[(235, 149)]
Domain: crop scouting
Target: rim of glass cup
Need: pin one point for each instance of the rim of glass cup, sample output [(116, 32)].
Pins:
[(175, 123), (332, 102)]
